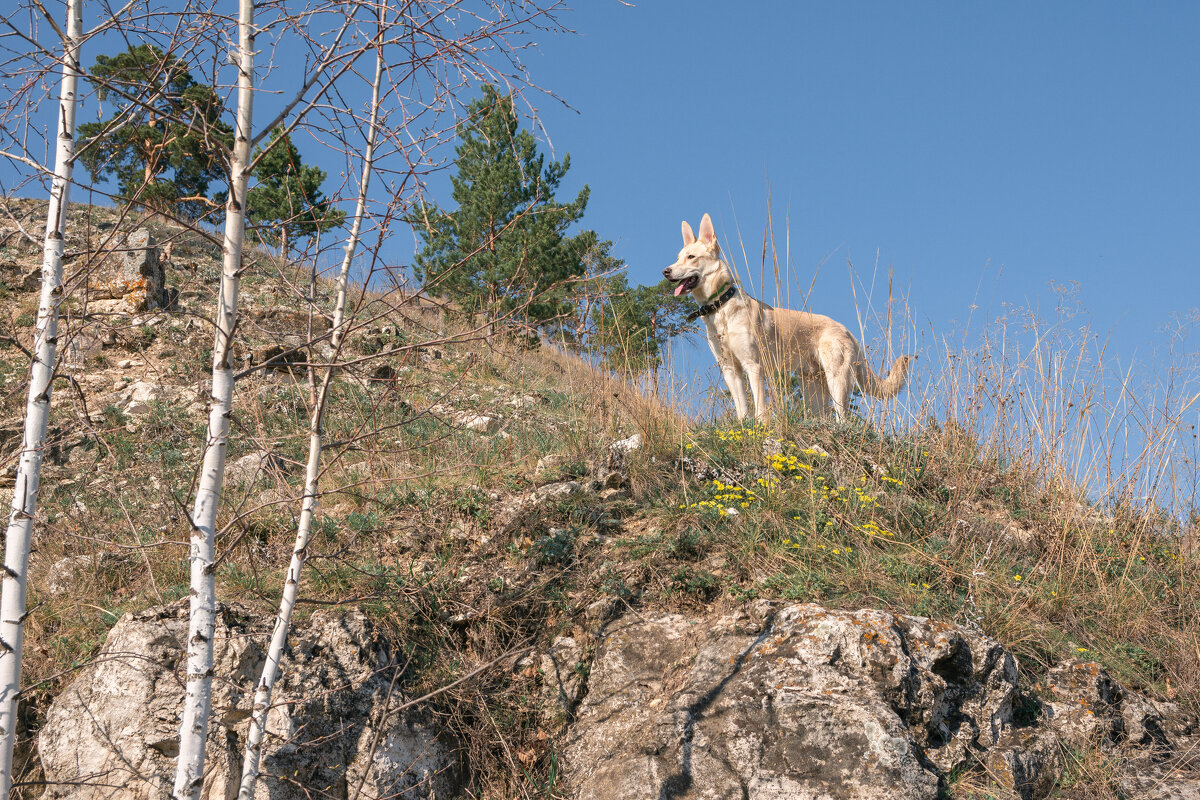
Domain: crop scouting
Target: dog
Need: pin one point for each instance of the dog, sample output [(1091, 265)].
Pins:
[(749, 337)]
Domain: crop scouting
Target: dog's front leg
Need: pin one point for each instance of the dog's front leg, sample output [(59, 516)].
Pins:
[(737, 387), (732, 372), (754, 375)]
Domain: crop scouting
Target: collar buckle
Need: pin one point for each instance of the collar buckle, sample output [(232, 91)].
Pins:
[(712, 308)]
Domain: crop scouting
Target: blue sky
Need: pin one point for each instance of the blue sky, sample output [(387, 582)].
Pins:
[(975, 149), (978, 152)]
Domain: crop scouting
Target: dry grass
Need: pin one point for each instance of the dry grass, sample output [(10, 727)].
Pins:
[(1020, 451)]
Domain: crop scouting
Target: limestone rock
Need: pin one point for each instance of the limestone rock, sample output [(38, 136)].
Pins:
[(796, 703), (562, 677), (557, 491), (550, 463), (138, 396), (253, 466), (142, 280), (117, 725), (65, 575), (114, 731), (480, 423), (21, 276), (1084, 702), (618, 452), (1026, 761)]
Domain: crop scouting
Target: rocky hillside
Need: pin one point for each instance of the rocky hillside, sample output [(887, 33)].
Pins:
[(529, 580)]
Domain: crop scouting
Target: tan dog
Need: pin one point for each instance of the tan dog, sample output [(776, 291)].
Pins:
[(749, 337)]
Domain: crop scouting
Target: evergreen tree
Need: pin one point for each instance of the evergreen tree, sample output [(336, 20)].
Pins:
[(506, 244), (165, 141), (286, 202), (627, 327)]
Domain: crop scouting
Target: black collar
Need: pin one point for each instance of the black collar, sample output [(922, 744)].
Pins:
[(711, 308)]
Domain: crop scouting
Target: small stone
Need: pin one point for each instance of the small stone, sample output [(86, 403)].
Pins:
[(480, 423), (614, 479), (550, 463), (252, 466), (66, 574), (559, 491), (627, 445)]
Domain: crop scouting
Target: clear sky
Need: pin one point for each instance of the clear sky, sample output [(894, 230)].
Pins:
[(970, 147), (978, 151)]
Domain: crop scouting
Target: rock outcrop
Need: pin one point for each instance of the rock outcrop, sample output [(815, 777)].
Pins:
[(114, 731), (767, 703), (142, 274), (806, 703)]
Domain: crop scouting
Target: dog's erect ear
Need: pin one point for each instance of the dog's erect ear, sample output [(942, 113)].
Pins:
[(707, 235), (688, 236)]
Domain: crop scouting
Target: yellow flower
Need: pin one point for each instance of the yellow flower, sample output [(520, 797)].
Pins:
[(1016, 577)]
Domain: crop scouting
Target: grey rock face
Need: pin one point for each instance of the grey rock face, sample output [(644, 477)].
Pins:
[(142, 272), (21, 277), (114, 732), (806, 703), (799, 703)]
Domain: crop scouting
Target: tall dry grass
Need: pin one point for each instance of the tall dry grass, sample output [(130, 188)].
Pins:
[(1048, 394)]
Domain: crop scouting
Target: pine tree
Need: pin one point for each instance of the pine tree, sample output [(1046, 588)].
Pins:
[(165, 140), (506, 246), (626, 327), (286, 203)]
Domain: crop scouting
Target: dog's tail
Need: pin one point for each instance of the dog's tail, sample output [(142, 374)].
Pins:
[(884, 388)]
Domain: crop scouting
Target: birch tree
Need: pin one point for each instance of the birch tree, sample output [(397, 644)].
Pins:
[(291, 585), (193, 731), (37, 409)]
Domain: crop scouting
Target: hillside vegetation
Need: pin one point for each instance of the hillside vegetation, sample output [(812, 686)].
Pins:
[(482, 494)]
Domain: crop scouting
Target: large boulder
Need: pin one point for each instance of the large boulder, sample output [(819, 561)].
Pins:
[(798, 703), (142, 272), (114, 731)]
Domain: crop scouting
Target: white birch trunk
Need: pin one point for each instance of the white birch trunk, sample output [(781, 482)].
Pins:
[(291, 585), (193, 730), (37, 409)]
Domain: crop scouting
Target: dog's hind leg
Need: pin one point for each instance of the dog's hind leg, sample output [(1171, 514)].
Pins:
[(839, 376), (816, 396)]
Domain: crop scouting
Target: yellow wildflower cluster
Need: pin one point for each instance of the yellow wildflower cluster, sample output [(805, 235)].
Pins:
[(737, 435), (709, 505), (837, 551), (726, 495), (787, 464), (846, 495), (871, 529), (889, 479)]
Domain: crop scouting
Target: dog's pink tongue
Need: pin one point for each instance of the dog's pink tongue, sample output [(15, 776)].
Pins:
[(679, 289)]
